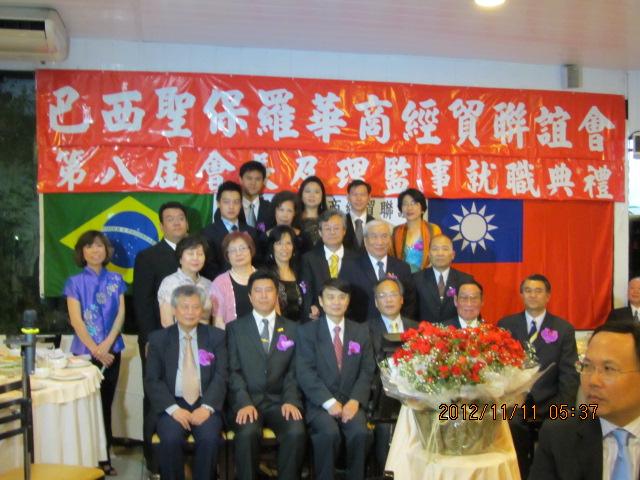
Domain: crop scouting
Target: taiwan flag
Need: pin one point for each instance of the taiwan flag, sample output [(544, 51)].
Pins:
[(500, 242)]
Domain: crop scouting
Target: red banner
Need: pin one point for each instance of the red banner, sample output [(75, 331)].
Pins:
[(182, 132)]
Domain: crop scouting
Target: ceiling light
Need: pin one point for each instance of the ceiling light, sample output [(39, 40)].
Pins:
[(489, 3)]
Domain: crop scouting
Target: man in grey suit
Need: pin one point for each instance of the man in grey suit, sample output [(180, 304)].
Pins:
[(632, 311), (602, 442), (554, 340), (436, 286), (335, 368), (263, 390), (186, 383), (388, 294)]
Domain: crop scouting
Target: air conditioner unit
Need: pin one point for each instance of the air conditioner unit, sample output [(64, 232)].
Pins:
[(32, 34)]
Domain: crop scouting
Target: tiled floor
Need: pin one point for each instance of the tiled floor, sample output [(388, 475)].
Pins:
[(129, 462)]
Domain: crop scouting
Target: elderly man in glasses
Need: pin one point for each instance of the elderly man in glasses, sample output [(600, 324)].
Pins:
[(601, 439)]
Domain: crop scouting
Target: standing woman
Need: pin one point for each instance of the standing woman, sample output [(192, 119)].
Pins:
[(191, 253), (314, 202), (285, 210), (282, 259), (95, 299), (411, 239), (229, 290)]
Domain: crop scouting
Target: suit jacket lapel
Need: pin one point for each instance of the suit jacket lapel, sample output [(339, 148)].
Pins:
[(367, 267), (589, 448), (252, 332), (432, 285), (276, 335), (173, 357)]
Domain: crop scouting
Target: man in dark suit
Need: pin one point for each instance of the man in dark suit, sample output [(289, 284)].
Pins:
[(632, 311), (554, 341), (359, 195), (435, 286), (316, 264), (263, 390), (364, 271), (256, 209), (388, 294), (226, 220), (335, 368), (592, 442), (151, 266), (186, 383), (468, 300)]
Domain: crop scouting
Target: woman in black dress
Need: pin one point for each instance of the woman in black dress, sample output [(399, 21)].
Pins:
[(282, 258)]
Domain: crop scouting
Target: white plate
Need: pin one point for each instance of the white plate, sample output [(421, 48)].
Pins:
[(37, 386), (77, 364), (66, 378)]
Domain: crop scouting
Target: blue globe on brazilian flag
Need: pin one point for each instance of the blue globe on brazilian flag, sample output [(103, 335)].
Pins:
[(130, 221)]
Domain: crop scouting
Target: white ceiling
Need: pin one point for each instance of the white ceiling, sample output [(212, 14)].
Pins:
[(590, 33)]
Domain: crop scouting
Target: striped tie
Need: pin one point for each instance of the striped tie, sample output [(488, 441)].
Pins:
[(337, 346), (333, 266)]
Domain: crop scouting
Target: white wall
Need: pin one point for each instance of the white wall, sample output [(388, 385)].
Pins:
[(118, 55)]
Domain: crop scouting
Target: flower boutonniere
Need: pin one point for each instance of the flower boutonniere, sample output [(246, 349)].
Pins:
[(261, 227), (354, 348), (205, 357), (392, 276), (303, 287), (451, 292), (419, 245), (284, 343), (549, 335)]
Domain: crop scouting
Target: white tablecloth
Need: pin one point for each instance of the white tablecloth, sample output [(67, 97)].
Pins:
[(409, 461), (67, 423)]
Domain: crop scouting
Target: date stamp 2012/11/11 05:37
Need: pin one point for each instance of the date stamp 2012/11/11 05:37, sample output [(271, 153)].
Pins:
[(474, 411)]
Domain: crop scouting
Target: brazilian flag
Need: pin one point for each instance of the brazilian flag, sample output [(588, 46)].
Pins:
[(129, 220)]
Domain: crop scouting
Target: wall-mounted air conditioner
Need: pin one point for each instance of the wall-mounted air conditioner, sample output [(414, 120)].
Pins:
[(32, 34)]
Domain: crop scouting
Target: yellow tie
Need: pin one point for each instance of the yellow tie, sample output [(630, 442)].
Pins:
[(190, 385), (333, 266), (394, 327)]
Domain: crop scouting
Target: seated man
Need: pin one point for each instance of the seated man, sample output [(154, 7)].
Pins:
[(186, 383), (263, 390), (554, 340), (468, 301), (388, 294), (603, 442), (632, 311), (335, 368)]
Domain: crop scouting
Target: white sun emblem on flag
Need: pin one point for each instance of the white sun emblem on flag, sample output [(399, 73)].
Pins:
[(473, 227)]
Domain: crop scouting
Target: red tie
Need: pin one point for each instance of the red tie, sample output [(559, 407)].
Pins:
[(337, 346)]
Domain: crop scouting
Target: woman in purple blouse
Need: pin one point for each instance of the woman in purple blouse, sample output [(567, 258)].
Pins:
[(95, 299)]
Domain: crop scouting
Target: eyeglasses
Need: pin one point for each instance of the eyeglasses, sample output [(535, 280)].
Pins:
[(382, 295), (233, 251), (172, 220), (608, 373), (469, 298)]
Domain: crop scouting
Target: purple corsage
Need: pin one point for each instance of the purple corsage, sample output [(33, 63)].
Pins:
[(419, 246), (392, 276), (354, 348), (549, 335), (284, 343), (451, 292), (303, 287), (261, 226), (205, 357)]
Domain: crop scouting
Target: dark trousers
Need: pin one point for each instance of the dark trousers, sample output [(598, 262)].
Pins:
[(107, 393), (291, 438), (327, 434), (170, 451), (148, 420)]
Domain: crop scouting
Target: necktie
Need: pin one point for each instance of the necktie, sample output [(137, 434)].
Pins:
[(381, 273), (333, 265), (337, 346), (251, 219), (441, 286), (622, 466), (635, 316), (394, 327), (359, 232), (190, 386), (533, 332), (234, 228), (264, 335)]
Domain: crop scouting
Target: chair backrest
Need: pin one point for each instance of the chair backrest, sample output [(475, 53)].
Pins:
[(15, 406)]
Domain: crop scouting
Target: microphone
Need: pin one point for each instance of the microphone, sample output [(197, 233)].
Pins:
[(30, 329)]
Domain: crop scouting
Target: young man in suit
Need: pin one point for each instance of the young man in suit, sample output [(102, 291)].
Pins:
[(256, 209), (436, 285), (554, 340), (359, 196), (319, 263), (186, 383), (468, 301), (364, 271), (602, 442), (388, 294), (226, 220), (263, 390), (632, 311), (335, 368)]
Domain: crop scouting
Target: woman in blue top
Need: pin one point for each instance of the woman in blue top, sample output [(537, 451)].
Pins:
[(95, 299)]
